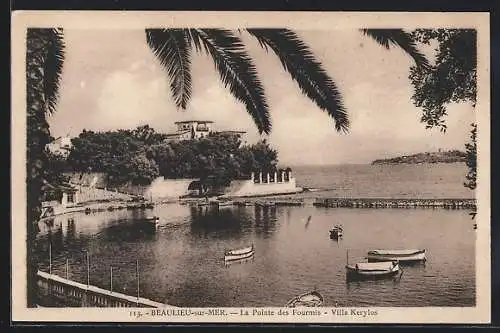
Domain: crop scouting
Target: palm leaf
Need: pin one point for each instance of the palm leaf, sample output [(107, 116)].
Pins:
[(398, 37), (173, 49), (298, 60), (236, 71), (52, 67)]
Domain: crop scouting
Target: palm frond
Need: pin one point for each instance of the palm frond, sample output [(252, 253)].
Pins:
[(52, 67), (173, 48), (398, 37), (236, 71), (298, 60)]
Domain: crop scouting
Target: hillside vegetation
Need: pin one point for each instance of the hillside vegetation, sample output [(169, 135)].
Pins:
[(452, 156)]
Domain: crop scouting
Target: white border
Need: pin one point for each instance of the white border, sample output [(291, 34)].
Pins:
[(296, 20)]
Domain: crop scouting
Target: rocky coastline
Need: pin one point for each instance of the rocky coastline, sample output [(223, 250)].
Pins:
[(453, 156)]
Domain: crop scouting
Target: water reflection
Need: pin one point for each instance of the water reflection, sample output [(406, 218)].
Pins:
[(128, 230), (209, 222), (182, 261), (265, 221)]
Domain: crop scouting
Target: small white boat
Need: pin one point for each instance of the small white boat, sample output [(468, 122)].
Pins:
[(309, 299), (373, 269), (152, 221), (239, 254), (396, 255)]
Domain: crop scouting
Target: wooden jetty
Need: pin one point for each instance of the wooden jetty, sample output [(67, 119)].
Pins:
[(395, 203), (271, 202)]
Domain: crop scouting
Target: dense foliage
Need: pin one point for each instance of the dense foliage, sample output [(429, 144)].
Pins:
[(452, 156), (471, 161), (53, 176), (451, 79), (135, 157)]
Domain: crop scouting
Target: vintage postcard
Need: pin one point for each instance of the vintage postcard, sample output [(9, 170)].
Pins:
[(250, 167)]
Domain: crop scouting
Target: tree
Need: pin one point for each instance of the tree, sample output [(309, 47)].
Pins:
[(215, 160), (471, 160), (451, 79), (173, 48), (44, 61), (125, 156)]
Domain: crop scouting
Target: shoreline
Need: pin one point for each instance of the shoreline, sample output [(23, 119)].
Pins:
[(291, 199)]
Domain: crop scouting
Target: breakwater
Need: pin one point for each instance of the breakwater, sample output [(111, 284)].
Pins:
[(395, 203)]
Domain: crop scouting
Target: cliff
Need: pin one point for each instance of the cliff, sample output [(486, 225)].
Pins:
[(452, 156)]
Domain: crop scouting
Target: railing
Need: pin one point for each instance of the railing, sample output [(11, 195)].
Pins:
[(54, 289)]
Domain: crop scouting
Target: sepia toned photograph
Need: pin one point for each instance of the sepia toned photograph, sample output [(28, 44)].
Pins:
[(244, 168)]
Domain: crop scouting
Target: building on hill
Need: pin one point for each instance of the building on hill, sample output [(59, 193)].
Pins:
[(60, 146), (196, 129)]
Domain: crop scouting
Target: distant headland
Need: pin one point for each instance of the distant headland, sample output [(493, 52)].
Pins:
[(451, 156)]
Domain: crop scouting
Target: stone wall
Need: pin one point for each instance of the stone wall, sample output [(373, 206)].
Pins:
[(162, 188), (249, 188)]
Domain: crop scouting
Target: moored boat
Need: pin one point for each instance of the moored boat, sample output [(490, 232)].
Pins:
[(336, 232), (396, 255), (225, 203), (153, 221), (239, 254), (309, 299), (373, 269)]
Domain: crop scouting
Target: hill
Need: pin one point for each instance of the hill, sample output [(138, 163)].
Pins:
[(452, 156)]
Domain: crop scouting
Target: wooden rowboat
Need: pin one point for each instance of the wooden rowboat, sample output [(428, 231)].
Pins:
[(373, 269), (309, 299), (239, 254), (396, 255)]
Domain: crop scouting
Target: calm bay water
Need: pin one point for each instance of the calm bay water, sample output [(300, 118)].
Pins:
[(182, 262), (390, 181)]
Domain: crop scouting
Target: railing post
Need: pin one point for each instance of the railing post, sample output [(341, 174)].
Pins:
[(50, 257), (137, 273), (111, 280), (88, 269)]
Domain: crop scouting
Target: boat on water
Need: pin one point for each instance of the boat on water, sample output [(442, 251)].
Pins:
[(309, 299), (239, 254), (336, 232), (225, 203), (153, 221), (396, 255), (367, 270)]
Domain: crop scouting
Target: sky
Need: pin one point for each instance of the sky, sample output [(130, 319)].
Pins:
[(111, 80)]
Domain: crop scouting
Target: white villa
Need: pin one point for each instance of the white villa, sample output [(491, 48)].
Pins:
[(61, 146), (196, 129)]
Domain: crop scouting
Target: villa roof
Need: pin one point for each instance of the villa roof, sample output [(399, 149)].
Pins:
[(193, 121), (232, 131)]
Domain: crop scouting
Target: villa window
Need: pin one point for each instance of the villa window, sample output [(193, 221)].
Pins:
[(71, 197)]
